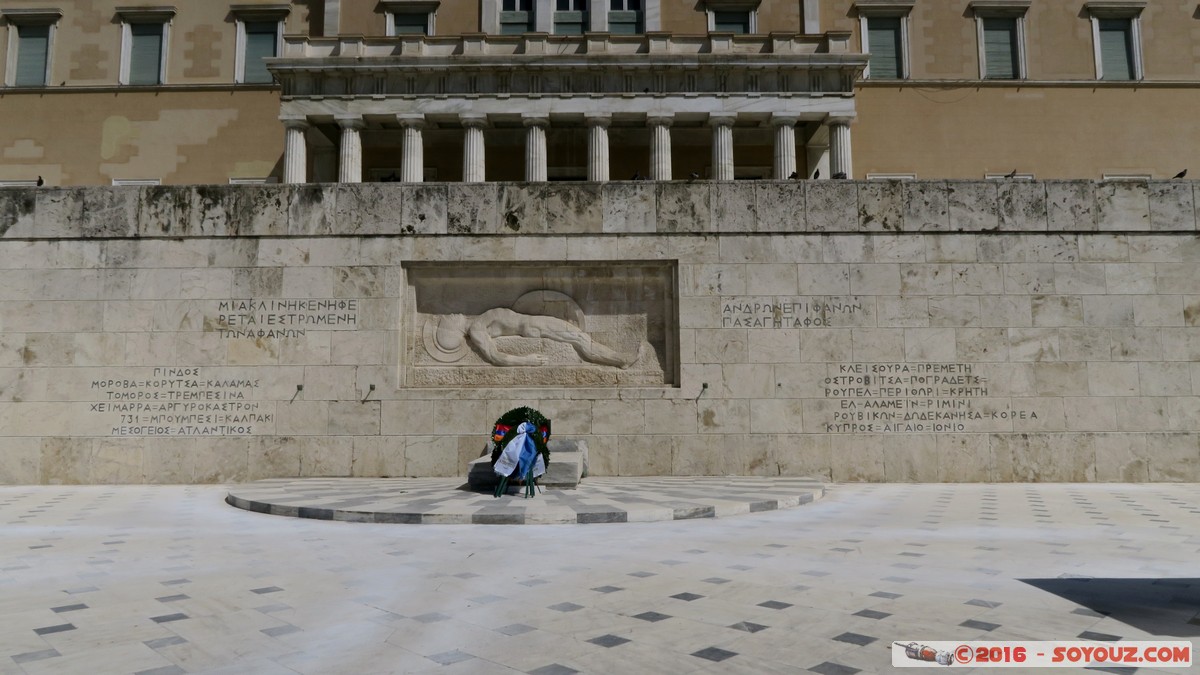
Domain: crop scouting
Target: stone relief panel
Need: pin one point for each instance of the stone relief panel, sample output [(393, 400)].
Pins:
[(531, 324)]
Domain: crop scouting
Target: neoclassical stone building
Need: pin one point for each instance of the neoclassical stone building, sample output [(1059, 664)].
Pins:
[(109, 91)]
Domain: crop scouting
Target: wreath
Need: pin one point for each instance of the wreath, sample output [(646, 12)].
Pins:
[(506, 429)]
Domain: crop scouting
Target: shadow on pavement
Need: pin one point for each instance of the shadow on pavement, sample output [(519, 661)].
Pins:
[(1164, 607)]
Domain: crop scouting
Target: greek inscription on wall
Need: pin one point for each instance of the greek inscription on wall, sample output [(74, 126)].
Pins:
[(786, 312), (179, 402), (888, 398), (282, 318)]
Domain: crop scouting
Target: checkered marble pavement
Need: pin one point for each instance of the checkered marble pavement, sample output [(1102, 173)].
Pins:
[(162, 580), (596, 500)]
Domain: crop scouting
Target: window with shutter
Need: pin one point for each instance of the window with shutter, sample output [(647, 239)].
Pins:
[(625, 17), (1116, 49), (145, 53), (884, 42), (33, 55), (410, 23), (261, 38), (516, 17), (570, 17), (1000, 48)]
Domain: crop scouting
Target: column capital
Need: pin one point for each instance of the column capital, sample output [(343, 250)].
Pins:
[(535, 120), (778, 120), (295, 122), (722, 119), (843, 120), (598, 119), (473, 120), (350, 121), (411, 120), (660, 120)]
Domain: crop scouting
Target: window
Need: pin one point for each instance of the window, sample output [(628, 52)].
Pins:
[(259, 35), (883, 27), (117, 182), (30, 42), (625, 17), (570, 17), (144, 45), (1000, 31), (516, 17), (732, 16), (1116, 39), (410, 17), (891, 176)]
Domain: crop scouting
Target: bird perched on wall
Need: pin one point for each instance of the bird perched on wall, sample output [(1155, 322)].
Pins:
[(637, 175), (693, 176), (40, 181), (793, 175), (841, 175), (816, 174), (1011, 174), (1181, 174)]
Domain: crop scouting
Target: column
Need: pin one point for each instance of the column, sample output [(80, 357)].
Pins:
[(412, 163), (839, 147), (785, 146), (722, 146), (350, 149), (473, 167), (660, 146), (295, 150), (535, 148), (598, 146)]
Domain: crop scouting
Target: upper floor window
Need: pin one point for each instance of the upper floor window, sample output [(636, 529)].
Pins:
[(259, 36), (410, 17), (1117, 39), (516, 17), (1000, 32), (144, 35), (732, 16), (883, 27), (30, 44), (570, 17), (625, 17)]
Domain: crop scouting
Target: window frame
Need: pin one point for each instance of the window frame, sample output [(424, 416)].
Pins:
[(162, 16), (891, 9), (1128, 10), (562, 17), (247, 14), (750, 7), (394, 8), (1001, 9), (16, 18)]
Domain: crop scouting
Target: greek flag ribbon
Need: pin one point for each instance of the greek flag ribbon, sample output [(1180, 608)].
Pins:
[(521, 453)]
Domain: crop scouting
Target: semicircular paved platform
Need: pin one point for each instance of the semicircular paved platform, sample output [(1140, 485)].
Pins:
[(596, 500)]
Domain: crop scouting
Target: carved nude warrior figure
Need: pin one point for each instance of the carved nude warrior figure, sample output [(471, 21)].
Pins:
[(483, 330)]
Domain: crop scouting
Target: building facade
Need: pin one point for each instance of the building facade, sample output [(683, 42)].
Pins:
[(100, 92)]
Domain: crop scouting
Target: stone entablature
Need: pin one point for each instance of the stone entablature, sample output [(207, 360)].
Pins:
[(543, 65)]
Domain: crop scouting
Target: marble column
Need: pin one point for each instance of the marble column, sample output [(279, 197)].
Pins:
[(350, 149), (598, 146), (660, 146), (722, 146), (839, 147), (785, 146), (535, 148), (473, 166), (295, 150), (412, 163)]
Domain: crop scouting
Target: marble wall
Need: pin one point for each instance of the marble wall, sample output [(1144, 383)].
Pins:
[(855, 331)]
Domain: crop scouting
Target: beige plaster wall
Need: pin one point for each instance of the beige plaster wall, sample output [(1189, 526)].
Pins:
[(201, 46), (176, 136), (879, 331), (1052, 132)]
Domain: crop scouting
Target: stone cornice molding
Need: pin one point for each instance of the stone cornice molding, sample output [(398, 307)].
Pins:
[(272, 12), (1114, 8), (157, 14), (24, 17)]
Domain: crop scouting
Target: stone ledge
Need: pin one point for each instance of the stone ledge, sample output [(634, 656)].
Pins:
[(618, 207)]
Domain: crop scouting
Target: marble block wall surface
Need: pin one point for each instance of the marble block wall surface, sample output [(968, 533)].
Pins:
[(852, 330)]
